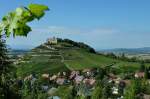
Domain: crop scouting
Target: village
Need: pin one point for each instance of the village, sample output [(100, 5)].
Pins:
[(84, 82), (79, 49), (80, 82)]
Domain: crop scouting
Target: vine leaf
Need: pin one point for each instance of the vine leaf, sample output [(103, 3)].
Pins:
[(16, 21), (38, 10)]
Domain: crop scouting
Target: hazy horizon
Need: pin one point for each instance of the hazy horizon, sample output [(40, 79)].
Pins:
[(29, 47)]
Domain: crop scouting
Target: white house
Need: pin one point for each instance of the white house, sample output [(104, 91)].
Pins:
[(115, 90)]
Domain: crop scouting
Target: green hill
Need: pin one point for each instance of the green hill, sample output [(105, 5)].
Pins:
[(68, 55)]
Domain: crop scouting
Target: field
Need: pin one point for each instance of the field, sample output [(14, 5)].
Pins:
[(46, 60), (139, 56)]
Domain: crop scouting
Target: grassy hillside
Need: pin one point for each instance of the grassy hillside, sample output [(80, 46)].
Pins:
[(65, 56)]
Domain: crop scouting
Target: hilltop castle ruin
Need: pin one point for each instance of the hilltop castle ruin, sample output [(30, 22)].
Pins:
[(52, 40)]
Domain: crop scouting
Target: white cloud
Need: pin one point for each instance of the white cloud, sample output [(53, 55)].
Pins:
[(70, 30), (92, 36), (58, 29)]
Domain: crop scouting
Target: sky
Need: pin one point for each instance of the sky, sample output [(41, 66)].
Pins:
[(102, 24)]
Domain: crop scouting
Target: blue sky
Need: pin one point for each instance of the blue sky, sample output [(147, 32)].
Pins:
[(100, 23)]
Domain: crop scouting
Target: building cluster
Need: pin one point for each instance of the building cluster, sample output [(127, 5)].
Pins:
[(86, 78), (73, 77)]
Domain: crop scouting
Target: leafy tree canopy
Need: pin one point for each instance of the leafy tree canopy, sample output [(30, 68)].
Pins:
[(16, 21)]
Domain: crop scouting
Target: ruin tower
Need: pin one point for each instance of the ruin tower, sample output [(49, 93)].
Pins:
[(52, 40)]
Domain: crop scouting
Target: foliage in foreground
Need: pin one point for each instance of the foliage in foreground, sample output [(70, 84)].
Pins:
[(16, 21), (7, 87)]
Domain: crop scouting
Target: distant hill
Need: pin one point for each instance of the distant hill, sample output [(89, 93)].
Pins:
[(144, 50), (68, 55)]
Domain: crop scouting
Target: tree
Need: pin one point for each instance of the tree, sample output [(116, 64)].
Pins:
[(134, 89), (26, 89), (100, 74), (142, 67), (98, 92), (147, 73), (6, 73), (130, 93), (15, 22), (107, 91)]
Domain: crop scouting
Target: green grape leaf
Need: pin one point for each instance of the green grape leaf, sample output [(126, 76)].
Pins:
[(22, 30), (38, 10), (16, 21)]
